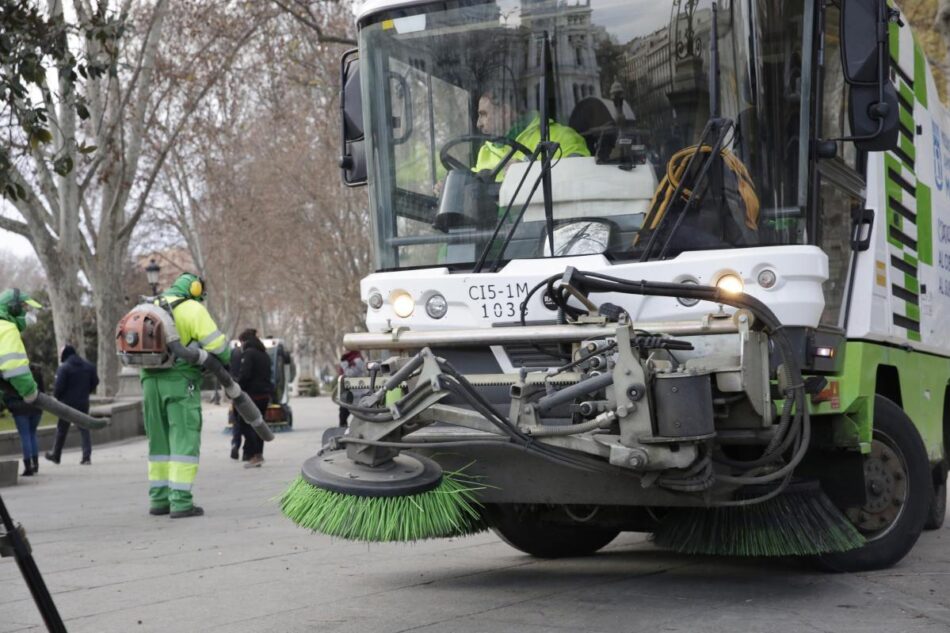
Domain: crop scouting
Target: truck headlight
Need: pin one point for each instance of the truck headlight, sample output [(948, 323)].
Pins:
[(731, 283), (403, 303)]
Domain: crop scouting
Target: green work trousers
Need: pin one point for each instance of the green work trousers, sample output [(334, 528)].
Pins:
[(173, 425)]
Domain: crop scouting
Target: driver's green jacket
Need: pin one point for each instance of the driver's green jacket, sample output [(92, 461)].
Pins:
[(571, 144)]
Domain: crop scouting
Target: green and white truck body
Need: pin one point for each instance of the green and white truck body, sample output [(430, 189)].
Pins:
[(845, 240)]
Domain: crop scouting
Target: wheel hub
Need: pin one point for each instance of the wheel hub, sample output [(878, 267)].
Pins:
[(406, 474), (886, 480)]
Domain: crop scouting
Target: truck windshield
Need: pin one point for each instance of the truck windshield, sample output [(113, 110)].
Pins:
[(452, 99)]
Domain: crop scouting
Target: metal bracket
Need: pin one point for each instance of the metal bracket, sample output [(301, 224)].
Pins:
[(631, 398), (424, 391), (754, 357), (648, 458)]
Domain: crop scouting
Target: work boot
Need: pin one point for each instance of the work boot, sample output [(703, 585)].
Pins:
[(36, 464), (27, 468), (193, 511), (53, 458)]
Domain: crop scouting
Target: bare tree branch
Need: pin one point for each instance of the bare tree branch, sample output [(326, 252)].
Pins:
[(183, 119), (300, 11), (15, 226)]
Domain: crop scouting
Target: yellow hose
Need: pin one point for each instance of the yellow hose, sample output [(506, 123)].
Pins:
[(675, 169)]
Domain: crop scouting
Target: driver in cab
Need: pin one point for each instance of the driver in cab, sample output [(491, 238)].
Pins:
[(495, 116)]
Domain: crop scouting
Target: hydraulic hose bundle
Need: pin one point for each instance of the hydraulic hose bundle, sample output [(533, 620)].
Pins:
[(794, 429)]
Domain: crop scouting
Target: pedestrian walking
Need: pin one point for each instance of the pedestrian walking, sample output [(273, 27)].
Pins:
[(255, 380), (76, 379), (27, 419)]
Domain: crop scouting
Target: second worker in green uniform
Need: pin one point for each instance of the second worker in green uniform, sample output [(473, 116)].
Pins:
[(172, 402)]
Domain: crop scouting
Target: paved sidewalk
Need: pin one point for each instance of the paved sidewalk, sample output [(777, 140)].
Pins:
[(243, 567)]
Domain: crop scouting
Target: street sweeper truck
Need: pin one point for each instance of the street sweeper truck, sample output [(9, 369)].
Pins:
[(678, 267)]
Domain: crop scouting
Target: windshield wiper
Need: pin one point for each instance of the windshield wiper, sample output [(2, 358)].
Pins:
[(546, 150), (716, 127), (504, 216), (547, 83), (719, 127)]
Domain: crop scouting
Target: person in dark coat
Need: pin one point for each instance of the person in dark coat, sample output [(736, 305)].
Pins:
[(76, 379), (255, 379), (27, 419), (235, 370)]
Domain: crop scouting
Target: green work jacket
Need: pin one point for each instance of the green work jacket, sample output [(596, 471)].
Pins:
[(571, 144), (14, 364), (194, 323)]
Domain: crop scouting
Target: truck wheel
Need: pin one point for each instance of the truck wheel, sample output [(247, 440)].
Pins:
[(938, 507), (899, 494), (522, 528)]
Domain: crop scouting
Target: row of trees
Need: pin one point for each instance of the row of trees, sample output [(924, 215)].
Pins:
[(201, 122)]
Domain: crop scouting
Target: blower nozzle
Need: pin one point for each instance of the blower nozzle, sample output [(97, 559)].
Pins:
[(65, 412)]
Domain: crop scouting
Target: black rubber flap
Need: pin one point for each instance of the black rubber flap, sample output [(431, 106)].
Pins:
[(407, 474)]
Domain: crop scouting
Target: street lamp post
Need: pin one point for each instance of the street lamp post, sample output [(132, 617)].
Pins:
[(151, 273)]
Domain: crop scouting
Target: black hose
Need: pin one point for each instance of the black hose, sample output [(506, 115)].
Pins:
[(797, 432), (65, 412), (568, 394), (242, 402)]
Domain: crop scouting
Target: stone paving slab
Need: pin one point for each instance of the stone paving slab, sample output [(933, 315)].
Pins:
[(244, 568)]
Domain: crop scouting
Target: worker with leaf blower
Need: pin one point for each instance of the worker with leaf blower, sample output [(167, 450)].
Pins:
[(14, 364), (16, 379), (172, 401)]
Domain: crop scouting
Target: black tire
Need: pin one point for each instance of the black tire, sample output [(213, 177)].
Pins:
[(894, 435), (522, 528), (938, 507)]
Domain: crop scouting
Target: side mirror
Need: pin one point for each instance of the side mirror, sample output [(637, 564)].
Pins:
[(353, 158), (872, 105)]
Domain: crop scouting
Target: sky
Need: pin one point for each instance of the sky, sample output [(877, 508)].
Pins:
[(10, 243)]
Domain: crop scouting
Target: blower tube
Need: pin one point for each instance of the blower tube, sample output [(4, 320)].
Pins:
[(242, 402), (194, 355), (66, 412)]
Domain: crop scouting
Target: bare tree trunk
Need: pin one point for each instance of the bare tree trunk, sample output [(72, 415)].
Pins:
[(65, 296), (110, 306)]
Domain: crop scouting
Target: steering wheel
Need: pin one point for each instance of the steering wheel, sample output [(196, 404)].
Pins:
[(450, 162)]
